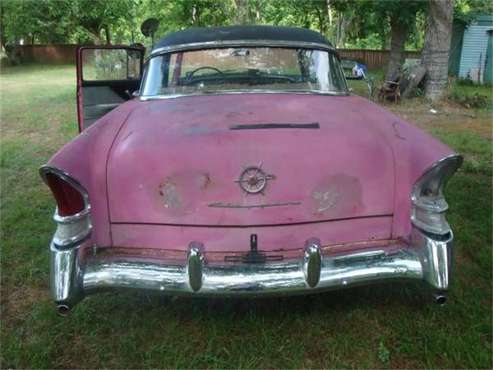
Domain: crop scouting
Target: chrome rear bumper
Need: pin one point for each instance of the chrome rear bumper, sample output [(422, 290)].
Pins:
[(73, 275)]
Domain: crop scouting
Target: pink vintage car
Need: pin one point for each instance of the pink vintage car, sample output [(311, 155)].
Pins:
[(241, 166)]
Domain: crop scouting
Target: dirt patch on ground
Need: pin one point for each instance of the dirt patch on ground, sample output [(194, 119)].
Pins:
[(445, 115), (18, 302)]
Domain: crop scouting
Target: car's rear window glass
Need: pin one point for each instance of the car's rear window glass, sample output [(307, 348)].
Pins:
[(243, 69)]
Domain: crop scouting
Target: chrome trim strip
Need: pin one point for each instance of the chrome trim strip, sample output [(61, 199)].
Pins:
[(72, 218), (425, 258), (68, 242), (241, 43), (455, 156), (433, 210), (266, 205)]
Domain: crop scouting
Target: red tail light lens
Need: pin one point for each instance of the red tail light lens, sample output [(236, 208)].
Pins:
[(69, 200)]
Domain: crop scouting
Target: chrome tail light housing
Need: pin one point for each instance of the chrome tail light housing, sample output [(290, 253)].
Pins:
[(428, 201), (72, 213)]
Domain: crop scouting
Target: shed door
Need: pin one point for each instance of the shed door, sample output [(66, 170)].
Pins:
[(106, 77), (488, 68)]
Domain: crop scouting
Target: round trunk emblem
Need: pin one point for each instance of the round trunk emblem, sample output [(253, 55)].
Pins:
[(253, 180)]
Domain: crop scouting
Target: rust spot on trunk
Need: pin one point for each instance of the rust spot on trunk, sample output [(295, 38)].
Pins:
[(396, 131), (179, 193), (171, 197), (205, 181), (336, 195)]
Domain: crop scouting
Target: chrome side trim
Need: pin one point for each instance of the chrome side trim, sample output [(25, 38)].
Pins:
[(425, 258), (241, 43)]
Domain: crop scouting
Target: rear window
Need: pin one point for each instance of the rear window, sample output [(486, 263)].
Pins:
[(244, 69)]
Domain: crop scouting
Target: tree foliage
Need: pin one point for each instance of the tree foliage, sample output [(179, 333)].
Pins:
[(63, 21), (347, 23)]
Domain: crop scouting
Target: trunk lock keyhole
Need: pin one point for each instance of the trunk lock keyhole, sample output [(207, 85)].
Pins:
[(253, 243)]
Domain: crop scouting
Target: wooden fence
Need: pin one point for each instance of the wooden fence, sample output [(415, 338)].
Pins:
[(46, 54), (373, 58), (59, 54)]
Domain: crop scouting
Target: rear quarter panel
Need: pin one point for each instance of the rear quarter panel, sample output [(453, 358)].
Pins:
[(85, 159), (414, 152)]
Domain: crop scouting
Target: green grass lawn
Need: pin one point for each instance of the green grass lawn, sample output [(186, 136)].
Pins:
[(383, 326)]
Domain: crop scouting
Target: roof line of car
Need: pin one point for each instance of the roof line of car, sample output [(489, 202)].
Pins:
[(241, 43)]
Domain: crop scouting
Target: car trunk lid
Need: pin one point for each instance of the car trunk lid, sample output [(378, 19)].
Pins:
[(249, 159)]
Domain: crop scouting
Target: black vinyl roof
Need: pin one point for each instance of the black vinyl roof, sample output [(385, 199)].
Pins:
[(199, 35)]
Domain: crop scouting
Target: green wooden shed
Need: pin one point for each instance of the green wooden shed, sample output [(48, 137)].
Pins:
[(471, 49)]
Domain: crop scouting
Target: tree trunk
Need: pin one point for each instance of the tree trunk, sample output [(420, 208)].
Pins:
[(107, 33), (242, 13), (342, 24), (437, 47), (321, 21), (3, 38), (329, 13), (399, 31), (194, 14)]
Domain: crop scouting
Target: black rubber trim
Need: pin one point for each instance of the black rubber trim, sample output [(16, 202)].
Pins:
[(267, 126)]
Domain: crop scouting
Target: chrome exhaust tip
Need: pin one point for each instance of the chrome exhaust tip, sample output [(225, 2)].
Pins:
[(63, 309)]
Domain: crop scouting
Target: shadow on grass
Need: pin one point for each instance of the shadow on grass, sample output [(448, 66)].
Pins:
[(410, 294)]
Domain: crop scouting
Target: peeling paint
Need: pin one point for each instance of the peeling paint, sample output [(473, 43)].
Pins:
[(337, 194), (326, 199), (396, 131), (171, 197), (204, 181), (202, 130)]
